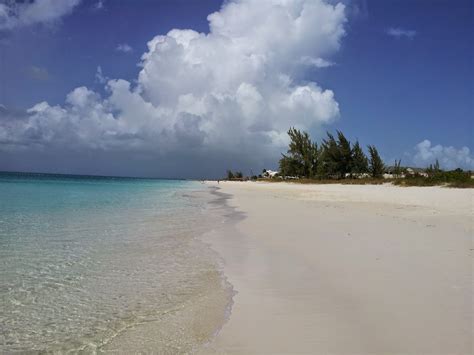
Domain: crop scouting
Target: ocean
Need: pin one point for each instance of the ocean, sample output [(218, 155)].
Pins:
[(108, 264)]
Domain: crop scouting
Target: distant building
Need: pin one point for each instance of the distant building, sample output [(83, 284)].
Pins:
[(390, 172), (270, 174), (410, 171), (356, 175), (416, 171)]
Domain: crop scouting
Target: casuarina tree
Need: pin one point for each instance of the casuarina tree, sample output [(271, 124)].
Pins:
[(329, 157), (344, 163), (302, 155), (376, 165), (360, 164)]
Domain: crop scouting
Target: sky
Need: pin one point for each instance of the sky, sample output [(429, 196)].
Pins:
[(189, 89)]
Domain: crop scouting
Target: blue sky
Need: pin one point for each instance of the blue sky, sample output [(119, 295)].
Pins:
[(396, 92), (71, 50), (401, 74)]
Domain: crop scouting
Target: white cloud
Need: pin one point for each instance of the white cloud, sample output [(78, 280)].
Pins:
[(15, 14), (229, 93), (100, 77), (398, 32), (316, 62), (124, 47), (99, 5), (448, 157)]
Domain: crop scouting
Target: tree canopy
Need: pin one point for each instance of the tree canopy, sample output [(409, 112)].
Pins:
[(376, 165), (335, 157), (360, 163), (302, 155)]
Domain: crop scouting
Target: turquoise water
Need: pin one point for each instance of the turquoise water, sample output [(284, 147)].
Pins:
[(92, 264)]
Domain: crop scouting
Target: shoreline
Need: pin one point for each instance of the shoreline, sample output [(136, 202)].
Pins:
[(109, 266), (194, 324), (346, 269), (229, 218)]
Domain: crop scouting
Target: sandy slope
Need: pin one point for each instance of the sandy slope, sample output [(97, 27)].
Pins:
[(334, 269)]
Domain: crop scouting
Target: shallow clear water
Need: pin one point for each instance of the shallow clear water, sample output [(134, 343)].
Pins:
[(106, 264)]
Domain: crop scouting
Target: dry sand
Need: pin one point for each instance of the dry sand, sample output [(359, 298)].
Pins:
[(339, 269)]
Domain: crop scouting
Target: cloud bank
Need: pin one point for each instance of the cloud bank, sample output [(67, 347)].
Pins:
[(448, 157), (14, 14), (230, 94)]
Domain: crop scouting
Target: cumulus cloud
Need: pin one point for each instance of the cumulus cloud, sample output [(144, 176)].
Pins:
[(231, 93), (398, 33), (124, 47), (15, 14), (448, 157)]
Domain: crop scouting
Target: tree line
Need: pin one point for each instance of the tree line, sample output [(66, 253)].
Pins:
[(234, 175), (334, 157)]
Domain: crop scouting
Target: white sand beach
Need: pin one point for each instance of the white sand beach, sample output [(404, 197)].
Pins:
[(341, 269)]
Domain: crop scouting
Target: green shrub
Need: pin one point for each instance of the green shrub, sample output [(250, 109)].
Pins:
[(453, 178)]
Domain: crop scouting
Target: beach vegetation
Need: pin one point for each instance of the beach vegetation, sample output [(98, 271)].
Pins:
[(376, 165), (345, 155), (452, 178), (360, 163), (301, 158), (236, 175), (433, 169), (337, 160), (397, 169), (334, 158)]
